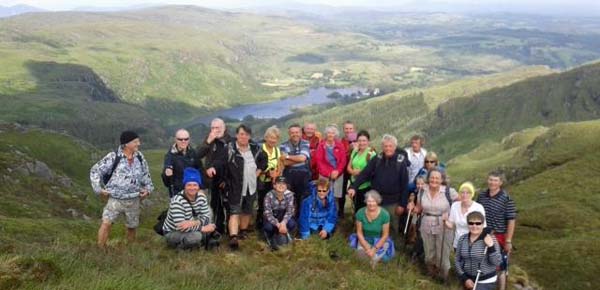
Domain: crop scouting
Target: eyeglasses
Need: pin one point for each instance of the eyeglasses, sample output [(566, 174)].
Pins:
[(322, 190), (183, 139), (430, 161), (475, 223)]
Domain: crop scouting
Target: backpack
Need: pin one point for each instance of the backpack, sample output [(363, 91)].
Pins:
[(106, 177), (162, 217)]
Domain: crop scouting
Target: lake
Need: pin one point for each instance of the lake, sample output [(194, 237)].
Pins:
[(279, 108)]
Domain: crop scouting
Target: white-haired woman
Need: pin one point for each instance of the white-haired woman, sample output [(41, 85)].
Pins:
[(331, 158), (372, 238)]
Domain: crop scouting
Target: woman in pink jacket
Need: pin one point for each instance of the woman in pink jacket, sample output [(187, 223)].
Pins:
[(331, 159)]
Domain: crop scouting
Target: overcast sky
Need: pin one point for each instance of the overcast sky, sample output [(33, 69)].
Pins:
[(553, 6)]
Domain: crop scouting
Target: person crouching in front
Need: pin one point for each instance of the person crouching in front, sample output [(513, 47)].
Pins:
[(279, 214), (188, 220), (318, 214)]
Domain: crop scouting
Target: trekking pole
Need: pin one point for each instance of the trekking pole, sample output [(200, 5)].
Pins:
[(443, 243), (479, 269), (411, 199)]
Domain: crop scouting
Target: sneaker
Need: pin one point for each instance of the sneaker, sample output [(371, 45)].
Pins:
[(233, 243)]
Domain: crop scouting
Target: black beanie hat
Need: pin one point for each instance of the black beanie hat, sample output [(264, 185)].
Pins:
[(128, 136)]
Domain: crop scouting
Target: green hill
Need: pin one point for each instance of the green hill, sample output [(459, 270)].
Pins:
[(552, 175)]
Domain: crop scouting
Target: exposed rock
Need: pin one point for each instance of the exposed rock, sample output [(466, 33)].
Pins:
[(65, 181), (74, 213), (42, 170)]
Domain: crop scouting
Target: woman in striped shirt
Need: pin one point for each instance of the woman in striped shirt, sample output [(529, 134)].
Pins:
[(189, 218), (477, 252)]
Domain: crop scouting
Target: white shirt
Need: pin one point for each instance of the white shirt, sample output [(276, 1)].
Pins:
[(249, 182), (460, 220), (417, 161)]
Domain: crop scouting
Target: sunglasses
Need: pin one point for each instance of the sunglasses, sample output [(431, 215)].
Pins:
[(183, 139), (430, 161), (323, 190), (475, 223)]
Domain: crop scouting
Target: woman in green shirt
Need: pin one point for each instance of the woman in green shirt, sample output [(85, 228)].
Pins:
[(372, 231), (359, 158)]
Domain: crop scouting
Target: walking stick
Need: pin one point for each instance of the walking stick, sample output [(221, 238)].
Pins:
[(443, 241), (411, 199), (479, 269)]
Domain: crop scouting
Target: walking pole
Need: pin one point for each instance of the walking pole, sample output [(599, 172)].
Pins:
[(411, 199), (443, 241), (479, 269)]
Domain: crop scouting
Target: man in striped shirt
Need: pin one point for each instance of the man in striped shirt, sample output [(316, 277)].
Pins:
[(500, 215), (188, 220)]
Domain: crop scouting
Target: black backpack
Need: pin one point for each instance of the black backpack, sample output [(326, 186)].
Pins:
[(106, 177)]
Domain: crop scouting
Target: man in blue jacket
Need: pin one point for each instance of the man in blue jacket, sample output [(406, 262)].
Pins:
[(318, 213)]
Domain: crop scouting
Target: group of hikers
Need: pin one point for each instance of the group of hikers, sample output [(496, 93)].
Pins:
[(300, 186)]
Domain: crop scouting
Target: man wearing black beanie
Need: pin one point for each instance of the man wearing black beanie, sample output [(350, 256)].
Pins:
[(123, 177)]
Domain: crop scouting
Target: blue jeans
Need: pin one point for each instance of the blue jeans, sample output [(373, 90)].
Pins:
[(270, 229)]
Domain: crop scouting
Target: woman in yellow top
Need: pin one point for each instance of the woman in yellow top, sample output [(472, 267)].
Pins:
[(359, 158), (270, 148)]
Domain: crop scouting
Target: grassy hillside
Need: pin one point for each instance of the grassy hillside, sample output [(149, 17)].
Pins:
[(552, 174)]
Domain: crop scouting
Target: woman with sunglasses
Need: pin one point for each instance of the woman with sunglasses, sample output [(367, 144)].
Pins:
[(477, 252), (458, 212), (318, 214)]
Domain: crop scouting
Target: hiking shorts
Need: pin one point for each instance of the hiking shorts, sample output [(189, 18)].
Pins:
[(129, 207), (241, 204)]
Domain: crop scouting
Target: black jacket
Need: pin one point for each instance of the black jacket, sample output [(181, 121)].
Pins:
[(215, 155), (234, 173), (388, 176), (178, 161)]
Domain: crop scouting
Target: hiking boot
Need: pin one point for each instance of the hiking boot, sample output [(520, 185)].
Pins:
[(243, 234), (233, 243)]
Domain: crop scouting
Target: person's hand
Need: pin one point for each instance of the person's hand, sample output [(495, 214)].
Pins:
[(410, 206), (489, 242), (334, 174), (169, 172), (143, 194), (211, 172), (371, 252), (104, 195), (351, 192), (508, 247), (185, 225), (208, 228), (323, 234), (273, 174), (399, 211), (282, 228), (469, 284), (283, 157), (445, 216), (211, 136)]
